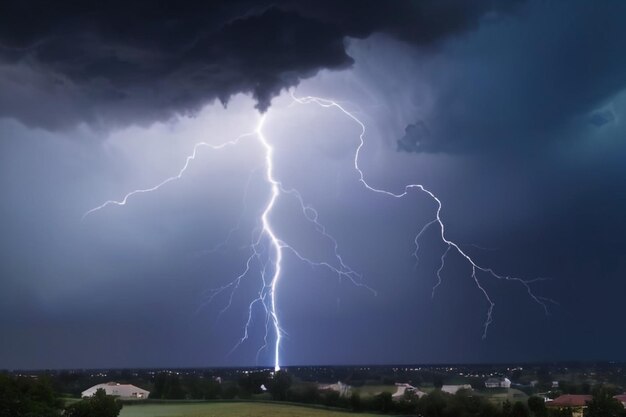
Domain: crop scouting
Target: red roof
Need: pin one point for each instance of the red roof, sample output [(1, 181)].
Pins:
[(570, 400)]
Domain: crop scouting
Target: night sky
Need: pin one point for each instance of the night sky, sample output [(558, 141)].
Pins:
[(510, 112)]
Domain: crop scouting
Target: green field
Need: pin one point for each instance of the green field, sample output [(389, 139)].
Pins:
[(499, 396), (217, 409)]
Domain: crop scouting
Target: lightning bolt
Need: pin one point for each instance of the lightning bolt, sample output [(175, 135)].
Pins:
[(166, 181), (275, 243), (267, 250), (450, 245)]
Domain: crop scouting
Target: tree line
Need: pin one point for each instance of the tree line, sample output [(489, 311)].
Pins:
[(35, 397)]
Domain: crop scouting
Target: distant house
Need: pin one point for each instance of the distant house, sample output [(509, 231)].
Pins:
[(343, 389), (124, 391), (576, 403), (452, 389), (404, 388), (500, 382)]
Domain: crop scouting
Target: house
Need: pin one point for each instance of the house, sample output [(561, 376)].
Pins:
[(452, 389), (576, 403), (499, 382), (124, 391), (404, 388), (343, 389)]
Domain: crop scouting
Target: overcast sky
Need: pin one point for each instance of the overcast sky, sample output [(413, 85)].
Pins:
[(511, 113)]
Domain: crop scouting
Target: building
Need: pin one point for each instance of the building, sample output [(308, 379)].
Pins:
[(452, 389), (124, 391), (499, 382), (404, 388), (576, 403), (344, 390)]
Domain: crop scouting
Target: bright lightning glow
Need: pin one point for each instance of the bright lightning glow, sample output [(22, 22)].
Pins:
[(266, 259), (267, 250), (275, 243), (178, 176)]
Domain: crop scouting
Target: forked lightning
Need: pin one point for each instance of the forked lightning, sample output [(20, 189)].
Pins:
[(267, 249)]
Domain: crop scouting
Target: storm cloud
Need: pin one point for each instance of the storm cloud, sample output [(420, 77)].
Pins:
[(552, 67), (118, 63)]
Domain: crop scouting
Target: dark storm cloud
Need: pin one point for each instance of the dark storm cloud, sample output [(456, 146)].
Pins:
[(127, 62), (602, 117), (519, 80)]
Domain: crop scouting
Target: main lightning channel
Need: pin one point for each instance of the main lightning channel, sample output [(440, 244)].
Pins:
[(268, 260), (275, 242)]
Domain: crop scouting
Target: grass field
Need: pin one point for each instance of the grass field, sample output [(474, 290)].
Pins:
[(511, 394), (229, 410)]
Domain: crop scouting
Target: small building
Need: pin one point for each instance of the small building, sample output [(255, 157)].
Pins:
[(499, 382), (452, 389), (124, 391), (344, 390), (405, 388), (576, 403)]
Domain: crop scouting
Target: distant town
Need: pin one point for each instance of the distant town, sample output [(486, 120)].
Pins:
[(564, 389)]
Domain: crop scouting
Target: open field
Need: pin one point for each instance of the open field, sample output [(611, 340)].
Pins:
[(245, 409), (513, 395)]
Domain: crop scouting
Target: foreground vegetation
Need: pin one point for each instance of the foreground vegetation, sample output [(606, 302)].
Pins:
[(260, 393)]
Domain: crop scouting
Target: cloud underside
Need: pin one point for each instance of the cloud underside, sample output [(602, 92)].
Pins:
[(129, 62)]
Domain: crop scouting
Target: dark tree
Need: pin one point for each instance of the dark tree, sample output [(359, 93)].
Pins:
[(160, 380), (174, 388), (100, 405), (603, 404), (25, 397), (520, 410), (355, 401), (433, 404), (331, 398), (279, 385), (466, 404), (385, 401), (229, 390), (212, 389), (538, 406), (507, 408)]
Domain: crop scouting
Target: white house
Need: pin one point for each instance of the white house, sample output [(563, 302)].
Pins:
[(500, 382), (340, 387), (404, 388), (452, 389), (124, 391)]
